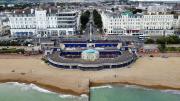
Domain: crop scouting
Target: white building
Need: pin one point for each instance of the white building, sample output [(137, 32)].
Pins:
[(41, 23), (157, 8), (69, 1), (1, 26), (4, 28), (177, 25), (137, 24)]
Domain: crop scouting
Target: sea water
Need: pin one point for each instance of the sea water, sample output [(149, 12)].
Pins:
[(29, 92), (132, 93), (14, 91)]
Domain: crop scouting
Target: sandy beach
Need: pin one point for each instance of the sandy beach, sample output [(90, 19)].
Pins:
[(154, 72)]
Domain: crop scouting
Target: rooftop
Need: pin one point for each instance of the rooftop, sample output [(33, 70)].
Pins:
[(122, 58), (90, 51)]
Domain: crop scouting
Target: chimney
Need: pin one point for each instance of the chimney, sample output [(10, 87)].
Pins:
[(32, 11), (50, 10)]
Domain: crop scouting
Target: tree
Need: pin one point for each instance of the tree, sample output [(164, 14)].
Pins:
[(161, 40), (10, 43), (173, 39), (149, 41), (173, 12), (112, 9), (97, 19), (162, 47), (84, 19), (137, 11)]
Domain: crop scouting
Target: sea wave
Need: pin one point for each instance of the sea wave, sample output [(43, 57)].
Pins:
[(163, 91), (131, 86), (33, 86), (84, 95), (25, 87), (66, 96), (140, 87), (171, 91), (105, 86), (30, 86), (137, 87), (72, 96)]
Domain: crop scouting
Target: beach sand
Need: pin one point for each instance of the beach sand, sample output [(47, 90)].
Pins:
[(154, 72)]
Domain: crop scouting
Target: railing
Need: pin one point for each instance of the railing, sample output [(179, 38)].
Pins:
[(68, 64)]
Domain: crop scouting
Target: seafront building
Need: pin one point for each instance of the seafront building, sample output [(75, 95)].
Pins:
[(95, 54), (127, 23), (178, 25), (1, 26), (4, 28), (157, 8), (43, 23), (67, 1), (155, 20)]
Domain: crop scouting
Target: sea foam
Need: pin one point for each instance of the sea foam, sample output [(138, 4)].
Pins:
[(83, 97), (33, 86), (25, 87), (66, 96), (144, 88), (163, 91), (171, 91), (98, 87)]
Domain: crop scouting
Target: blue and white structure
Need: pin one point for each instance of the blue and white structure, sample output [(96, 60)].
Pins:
[(90, 55)]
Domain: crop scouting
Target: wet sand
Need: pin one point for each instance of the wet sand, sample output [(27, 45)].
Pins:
[(153, 72)]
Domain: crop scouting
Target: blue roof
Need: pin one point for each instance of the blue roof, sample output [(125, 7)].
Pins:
[(90, 51), (129, 13)]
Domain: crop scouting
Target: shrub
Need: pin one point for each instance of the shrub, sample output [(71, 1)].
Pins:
[(149, 41), (45, 60), (12, 50)]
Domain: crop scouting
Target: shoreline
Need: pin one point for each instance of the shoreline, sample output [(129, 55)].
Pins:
[(68, 91), (157, 87), (47, 87), (146, 72)]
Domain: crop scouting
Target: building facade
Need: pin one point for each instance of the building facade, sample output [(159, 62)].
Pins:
[(68, 1), (137, 24), (40, 23), (1, 25)]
